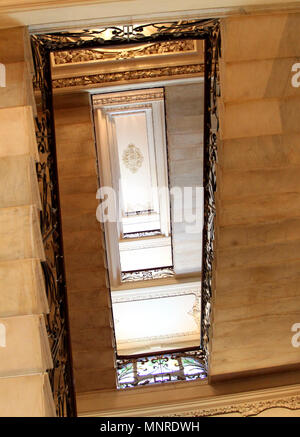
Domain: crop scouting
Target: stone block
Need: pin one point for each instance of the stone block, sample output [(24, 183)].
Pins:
[(183, 140), (20, 235), (259, 255), (260, 37), (78, 185), (22, 288), (17, 132), (91, 338), (264, 233), (79, 203), (83, 242), (185, 100), (90, 318), (13, 42), (262, 182), (98, 299), (19, 89), (252, 344), (258, 209), (88, 359), (77, 166), (185, 124), (75, 140), (25, 346), (255, 80), (92, 278), (273, 151), (18, 182), (256, 276), (26, 396), (251, 119), (95, 379)]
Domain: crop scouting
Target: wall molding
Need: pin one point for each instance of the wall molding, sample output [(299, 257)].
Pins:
[(88, 81), (131, 16), (246, 404), (167, 48)]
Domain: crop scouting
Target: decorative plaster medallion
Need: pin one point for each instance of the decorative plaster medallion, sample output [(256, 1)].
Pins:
[(132, 158)]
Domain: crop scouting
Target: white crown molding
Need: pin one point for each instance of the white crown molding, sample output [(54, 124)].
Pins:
[(140, 86), (156, 292), (129, 98)]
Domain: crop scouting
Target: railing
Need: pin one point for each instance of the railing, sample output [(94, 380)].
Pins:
[(61, 376), (43, 45)]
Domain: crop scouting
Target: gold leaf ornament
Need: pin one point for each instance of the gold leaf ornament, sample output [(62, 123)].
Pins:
[(132, 158)]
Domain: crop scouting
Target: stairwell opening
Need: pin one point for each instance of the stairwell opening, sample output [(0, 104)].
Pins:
[(138, 365)]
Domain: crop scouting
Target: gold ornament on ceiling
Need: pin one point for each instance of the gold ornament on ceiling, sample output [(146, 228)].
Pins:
[(132, 158), (136, 75), (156, 49)]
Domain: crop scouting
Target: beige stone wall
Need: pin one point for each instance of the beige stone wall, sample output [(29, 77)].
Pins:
[(184, 123), (88, 295), (256, 293), (24, 346)]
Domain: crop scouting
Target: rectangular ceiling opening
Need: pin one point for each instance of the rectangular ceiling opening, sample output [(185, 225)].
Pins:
[(131, 133), (150, 163)]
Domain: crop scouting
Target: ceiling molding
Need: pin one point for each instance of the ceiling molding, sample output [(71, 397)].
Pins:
[(128, 98), (160, 291), (246, 404), (145, 50), (93, 80), (132, 13), (25, 5)]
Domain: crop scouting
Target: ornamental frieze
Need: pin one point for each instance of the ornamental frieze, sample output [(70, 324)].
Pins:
[(153, 73), (157, 49)]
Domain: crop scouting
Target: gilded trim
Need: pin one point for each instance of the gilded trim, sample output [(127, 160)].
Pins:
[(150, 74)]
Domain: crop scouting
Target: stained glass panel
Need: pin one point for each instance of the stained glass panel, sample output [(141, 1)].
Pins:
[(178, 366)]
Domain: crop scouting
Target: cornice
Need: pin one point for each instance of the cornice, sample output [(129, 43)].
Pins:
[(245, 409), (138, 16), (245, 403), (25, 5), (93, 80), (128, 98), (166, 48), (160, 338)]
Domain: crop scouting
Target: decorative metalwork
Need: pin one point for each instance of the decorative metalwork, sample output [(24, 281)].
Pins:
[(133, 75), (156, 49), (61, 376), (115, 35), (211, 126), (178, 366), (144, 275), (127, 99), (142, 234), (207, 30)]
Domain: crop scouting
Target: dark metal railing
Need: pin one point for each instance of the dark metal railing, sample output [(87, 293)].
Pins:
[(61, 376), (43, 45)]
